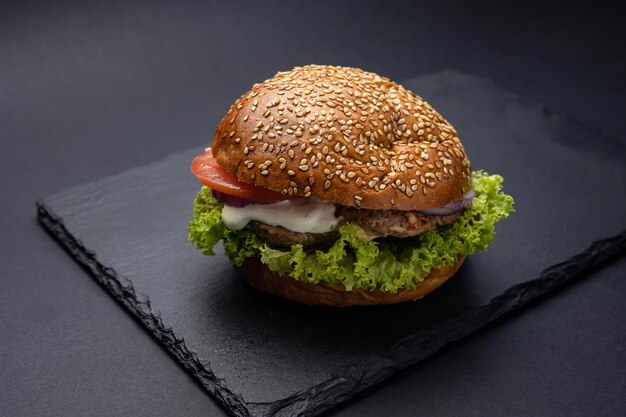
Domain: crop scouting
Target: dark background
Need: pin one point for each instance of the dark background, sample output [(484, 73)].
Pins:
[(90, 89)]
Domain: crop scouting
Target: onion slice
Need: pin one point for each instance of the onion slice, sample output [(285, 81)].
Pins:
[(234, 201), (453, 207), (448, 209)]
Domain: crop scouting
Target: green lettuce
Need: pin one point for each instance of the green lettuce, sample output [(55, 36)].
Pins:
[(387, 264)]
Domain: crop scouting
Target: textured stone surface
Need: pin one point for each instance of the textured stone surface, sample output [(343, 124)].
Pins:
[(265, 356)]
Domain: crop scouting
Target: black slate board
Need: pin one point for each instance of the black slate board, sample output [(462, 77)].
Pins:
[(260, 355)]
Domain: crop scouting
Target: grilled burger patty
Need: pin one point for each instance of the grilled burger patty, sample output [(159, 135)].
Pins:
[(396, 223), (380, 223)]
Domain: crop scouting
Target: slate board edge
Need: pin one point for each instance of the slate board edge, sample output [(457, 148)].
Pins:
[(358, 377), (124, 292)]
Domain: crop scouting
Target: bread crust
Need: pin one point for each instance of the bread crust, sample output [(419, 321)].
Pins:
[(259, 276), (345, 136)]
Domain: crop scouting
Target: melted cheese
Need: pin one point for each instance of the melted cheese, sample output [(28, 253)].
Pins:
[(304, 215)]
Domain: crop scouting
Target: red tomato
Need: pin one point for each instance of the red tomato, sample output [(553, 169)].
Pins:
[(211, 174)]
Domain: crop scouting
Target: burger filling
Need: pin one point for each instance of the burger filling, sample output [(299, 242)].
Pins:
[(313, 223), (280, 226), (358, 248)]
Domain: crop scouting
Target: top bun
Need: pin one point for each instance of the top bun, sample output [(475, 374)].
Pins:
[(345, 136)]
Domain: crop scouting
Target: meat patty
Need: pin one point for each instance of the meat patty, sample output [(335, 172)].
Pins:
[(379, 223), (396, 223), (279, 236)]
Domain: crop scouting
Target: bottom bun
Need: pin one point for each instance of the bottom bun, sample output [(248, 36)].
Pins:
[(259, 276)]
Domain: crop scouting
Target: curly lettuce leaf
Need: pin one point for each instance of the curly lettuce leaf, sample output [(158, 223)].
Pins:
[(387, 264)]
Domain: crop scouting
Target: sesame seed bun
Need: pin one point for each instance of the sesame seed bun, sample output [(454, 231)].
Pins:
[(346, 136), (259, 276)]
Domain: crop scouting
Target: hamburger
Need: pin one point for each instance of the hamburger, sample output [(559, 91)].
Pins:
[(336, 186)]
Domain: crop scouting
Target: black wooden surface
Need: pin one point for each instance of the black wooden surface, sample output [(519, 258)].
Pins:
[(89, 89), (265, 356)]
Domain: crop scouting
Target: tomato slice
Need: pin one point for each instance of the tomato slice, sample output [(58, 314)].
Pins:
[(211, 174)]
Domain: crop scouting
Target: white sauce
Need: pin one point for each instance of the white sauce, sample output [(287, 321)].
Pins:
[(303, 215)]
